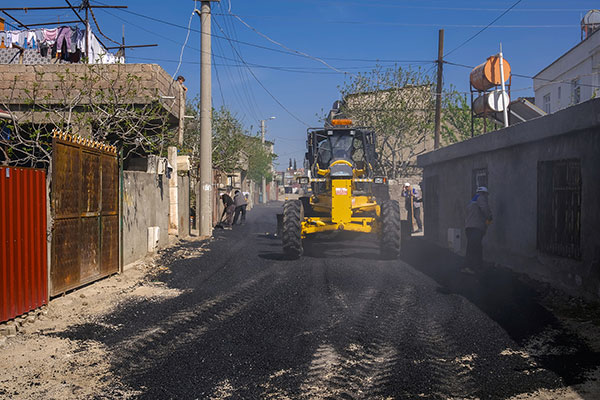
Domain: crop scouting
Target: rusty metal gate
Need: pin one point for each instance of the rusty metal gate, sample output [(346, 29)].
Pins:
[(84, 198), (23, 255)]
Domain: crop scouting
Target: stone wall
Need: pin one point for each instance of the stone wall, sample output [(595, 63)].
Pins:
[(49, 84), (183, 197), (511, 157)]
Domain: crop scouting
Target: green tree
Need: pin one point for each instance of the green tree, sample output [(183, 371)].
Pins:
[(233, 148), (456, 118), (260, 159), (228, 139), (398, 104)]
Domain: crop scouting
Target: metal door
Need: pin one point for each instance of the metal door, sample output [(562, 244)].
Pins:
[(23, 256), (85, 240)]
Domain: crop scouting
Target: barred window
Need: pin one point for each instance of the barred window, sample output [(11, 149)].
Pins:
[(480, 178), (559, 208)]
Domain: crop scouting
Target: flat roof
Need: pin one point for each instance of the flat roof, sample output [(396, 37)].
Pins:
[(575, 118), (565, 54)]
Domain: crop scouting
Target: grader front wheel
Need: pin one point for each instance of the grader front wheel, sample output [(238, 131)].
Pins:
[(390, 229), (292, 228)]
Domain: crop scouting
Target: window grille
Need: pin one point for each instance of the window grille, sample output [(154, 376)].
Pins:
[(547, 103), (480, 178), (575, 91), (559, 208)]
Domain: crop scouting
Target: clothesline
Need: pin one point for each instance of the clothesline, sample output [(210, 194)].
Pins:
[(65, 42)]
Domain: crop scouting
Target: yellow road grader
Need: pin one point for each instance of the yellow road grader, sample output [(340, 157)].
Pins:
[(347, 193)]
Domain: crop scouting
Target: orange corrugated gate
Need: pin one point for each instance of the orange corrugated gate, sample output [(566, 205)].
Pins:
[(23, 256)]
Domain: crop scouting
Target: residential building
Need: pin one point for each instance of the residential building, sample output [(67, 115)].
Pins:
[(574, 77)]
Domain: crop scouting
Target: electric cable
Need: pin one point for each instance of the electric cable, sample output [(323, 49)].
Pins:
[(187, 36), (263, 86), (287, 48), (483, 29)]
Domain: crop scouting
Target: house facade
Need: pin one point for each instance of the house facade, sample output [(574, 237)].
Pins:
[(572, 78)]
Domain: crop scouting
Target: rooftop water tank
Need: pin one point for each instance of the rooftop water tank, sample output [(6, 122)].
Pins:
[(487, 75), (491, 102), (590, 23)]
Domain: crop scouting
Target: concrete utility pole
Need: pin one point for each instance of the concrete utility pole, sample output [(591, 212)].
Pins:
[(264, 181), (438, 90), (204, 198)]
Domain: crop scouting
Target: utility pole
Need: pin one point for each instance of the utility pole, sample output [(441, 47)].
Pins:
[(504, 105), (264, 181), (86, 4), (204, 198), (438, 90)]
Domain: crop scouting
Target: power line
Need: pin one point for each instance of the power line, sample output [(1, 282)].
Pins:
[(290, 69), (483, 29), (252, 44), (242, 74), (252, 102), (285, 47), (187, 36), (261, 84)]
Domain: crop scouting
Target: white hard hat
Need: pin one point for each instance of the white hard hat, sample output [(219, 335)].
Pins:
[(407, 184), (482, 189)]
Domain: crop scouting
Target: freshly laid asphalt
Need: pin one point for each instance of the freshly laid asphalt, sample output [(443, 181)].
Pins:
[(337, 323)]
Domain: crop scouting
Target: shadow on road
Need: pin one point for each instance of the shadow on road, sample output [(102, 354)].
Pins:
[(331, 245), (510, 299)]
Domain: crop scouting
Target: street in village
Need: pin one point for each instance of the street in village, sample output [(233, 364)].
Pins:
[(232, 318)]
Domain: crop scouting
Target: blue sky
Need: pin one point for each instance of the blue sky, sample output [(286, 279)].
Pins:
[(348, 35)]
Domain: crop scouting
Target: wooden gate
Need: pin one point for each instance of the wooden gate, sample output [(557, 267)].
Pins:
[(84, 198)]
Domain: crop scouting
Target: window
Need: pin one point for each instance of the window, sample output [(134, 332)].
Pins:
[(547, 103), (559, 208), (575, 91), (559, 90), (480, 178)]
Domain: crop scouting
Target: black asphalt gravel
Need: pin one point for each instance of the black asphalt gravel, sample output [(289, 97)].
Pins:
[(338, 323)]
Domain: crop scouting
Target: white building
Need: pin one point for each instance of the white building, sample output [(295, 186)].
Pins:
[(575, 76)]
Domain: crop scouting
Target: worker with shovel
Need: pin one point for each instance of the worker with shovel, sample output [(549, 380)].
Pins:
[(228, 210)]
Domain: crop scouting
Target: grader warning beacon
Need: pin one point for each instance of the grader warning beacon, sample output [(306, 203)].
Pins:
[(347, 193)]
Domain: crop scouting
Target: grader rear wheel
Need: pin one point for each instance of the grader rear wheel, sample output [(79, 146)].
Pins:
[(390, 230), (292, 228)]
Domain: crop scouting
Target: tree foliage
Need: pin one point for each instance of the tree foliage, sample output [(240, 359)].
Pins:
[(260, 159), (232, 146), (456, 117), (398, 104)]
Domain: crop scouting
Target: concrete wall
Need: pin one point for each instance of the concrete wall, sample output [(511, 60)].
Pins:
[(145, 204), (183, 196), (511, 157)]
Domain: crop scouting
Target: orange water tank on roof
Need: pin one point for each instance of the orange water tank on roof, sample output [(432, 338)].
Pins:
[(487, 75)]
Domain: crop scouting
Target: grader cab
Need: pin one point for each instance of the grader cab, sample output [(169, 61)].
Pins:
[(347, 193)]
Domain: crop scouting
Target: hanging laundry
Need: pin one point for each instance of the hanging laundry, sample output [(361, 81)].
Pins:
[(50, 36), (31, 39), (63, 39)]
